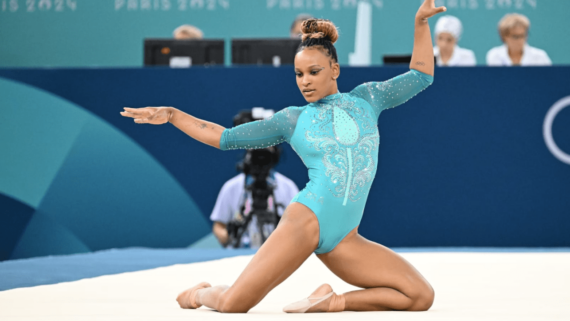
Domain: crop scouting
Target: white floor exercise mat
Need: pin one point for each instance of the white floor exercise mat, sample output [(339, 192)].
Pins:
[(468, 286)]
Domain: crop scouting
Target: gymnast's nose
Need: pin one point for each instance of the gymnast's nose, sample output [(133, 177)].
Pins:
[(306, 81)]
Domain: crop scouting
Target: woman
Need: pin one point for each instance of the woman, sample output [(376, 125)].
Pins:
[(336, 136), (448, 30), (515, 51)]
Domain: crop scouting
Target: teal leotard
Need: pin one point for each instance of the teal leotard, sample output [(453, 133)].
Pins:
[(337, 139)]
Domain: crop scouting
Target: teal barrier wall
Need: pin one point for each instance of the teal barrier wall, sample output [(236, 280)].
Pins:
[(72, 33), (58, 195)]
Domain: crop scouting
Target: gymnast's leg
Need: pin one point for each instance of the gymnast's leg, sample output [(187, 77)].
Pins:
[(292, 242), (389, 282)]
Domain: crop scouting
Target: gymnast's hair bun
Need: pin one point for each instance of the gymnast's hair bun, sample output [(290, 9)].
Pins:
[(319, 28)]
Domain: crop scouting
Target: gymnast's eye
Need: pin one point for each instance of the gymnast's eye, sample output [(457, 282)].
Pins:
[(298, 74), (314, 72)]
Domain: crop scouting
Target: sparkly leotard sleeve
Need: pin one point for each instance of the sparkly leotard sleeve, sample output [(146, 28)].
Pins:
[(262, 133), (393, 92), (337, 139)]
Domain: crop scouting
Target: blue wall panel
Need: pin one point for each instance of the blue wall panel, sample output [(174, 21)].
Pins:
[(462, 164)]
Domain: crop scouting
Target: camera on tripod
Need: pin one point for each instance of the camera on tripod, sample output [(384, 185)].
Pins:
[(257, 165)]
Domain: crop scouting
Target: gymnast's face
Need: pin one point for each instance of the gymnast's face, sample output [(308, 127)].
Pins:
[(316, 74)]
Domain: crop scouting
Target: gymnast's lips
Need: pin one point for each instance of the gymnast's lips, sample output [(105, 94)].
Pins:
[(308, 92)]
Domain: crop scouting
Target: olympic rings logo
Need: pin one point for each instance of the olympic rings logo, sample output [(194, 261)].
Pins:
[(547, 130)]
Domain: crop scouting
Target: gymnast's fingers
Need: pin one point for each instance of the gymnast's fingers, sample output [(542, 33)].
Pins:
[(141, 112), (134, 110), (435, 10), (131, 112), (440, 10), (141, 120), (128, 114)]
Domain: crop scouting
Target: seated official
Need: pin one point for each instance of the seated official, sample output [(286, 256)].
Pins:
[(515, 51), (448, 30)]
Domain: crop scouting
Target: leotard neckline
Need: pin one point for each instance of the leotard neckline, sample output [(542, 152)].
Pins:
[(329, 98)]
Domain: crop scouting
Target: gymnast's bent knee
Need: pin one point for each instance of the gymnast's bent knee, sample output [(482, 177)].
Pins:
[(423, 299)]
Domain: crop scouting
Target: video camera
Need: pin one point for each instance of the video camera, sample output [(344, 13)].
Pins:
[(256, 164)]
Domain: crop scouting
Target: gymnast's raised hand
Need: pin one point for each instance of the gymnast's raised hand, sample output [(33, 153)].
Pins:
[(428, 10)]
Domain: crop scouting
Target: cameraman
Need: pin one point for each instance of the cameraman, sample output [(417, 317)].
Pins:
[(254, 198)]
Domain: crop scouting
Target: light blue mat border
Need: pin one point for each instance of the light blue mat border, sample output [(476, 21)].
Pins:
[(67, 268)]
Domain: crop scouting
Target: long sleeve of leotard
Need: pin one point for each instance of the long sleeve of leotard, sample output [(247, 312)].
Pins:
[(393, 92), (262, 133)]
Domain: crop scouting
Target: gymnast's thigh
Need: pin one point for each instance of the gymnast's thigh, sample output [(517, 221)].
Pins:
[(292, 242), (367, 264)]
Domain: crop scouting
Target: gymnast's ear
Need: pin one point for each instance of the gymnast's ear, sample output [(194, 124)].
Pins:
[(335, 70)]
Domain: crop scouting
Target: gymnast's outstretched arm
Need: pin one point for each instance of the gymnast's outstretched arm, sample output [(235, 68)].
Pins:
[(201, 130), (257, 134)]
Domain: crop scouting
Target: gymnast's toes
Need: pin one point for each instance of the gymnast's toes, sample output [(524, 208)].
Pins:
[(187, 299)]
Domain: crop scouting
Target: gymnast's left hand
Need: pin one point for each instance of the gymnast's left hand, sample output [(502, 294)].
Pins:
[(428, 10), (149, 115)]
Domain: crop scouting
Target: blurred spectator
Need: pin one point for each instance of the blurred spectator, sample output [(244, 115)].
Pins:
[(513, 29), (186, 32), (448, 30), (295, 31)]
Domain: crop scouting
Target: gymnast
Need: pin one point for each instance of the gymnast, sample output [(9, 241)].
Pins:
[(336, 136)]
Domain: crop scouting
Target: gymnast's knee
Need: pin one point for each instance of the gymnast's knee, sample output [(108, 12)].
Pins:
[(423, 299)]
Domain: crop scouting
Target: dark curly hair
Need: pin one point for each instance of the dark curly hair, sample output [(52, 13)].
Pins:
[(320, 34)]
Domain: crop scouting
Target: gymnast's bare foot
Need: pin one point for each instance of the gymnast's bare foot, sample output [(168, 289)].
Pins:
[(187, 299), (323, 299)]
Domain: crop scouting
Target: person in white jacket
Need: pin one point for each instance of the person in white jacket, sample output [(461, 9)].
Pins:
[(515, 51), (448, 30)]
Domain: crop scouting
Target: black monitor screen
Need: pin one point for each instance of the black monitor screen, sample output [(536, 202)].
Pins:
[(264, 51), (398, 59), (183, 53)]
